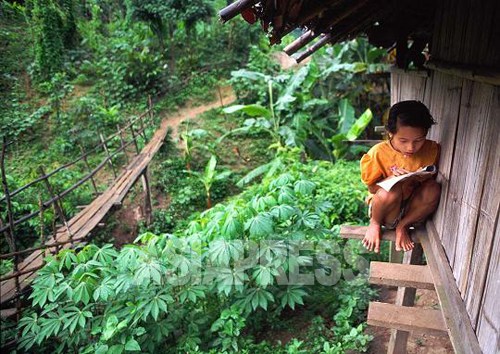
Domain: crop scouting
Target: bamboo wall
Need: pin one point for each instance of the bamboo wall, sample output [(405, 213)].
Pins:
[(468, 115)]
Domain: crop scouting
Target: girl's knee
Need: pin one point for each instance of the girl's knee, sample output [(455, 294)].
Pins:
[(391, 197), (431, 190)]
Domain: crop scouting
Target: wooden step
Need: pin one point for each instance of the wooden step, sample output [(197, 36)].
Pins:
[(403, 275), (6, 313), (358, 232), (411, 319)]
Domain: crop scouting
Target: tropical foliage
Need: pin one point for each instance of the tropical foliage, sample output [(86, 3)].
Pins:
[(313, 107), (226, 264), (198, 290)]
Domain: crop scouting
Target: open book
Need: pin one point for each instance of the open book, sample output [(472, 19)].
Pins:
[(388, 183)]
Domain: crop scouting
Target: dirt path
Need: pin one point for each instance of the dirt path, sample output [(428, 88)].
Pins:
[(225, 95), (131, 213)]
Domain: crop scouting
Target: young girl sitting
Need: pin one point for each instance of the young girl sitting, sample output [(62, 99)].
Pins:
[(407, 150)]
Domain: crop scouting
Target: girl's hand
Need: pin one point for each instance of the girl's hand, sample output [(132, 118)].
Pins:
[(396, 171)]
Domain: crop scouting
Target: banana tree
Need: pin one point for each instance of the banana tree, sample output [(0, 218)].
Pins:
[(350, 128), (290, 119), (209, 176), (190, 138)]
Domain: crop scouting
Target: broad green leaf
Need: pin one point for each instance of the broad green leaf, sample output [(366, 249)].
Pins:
[(260, 298), (253, 110), (232, 227), (67, 257), (346, 113), (252, 75), (360, 125), (262, 169), (116, 349), (260, 225), (283, 212), (103, 349), (282, 180), (286, 195), (264, 276), (132, 345), (192, 293), (293, 295), (304, 187)]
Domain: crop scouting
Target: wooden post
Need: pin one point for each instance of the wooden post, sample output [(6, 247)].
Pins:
[(134, 137), (405, 297), (143, 128), (151, 113), (57, 207), (103, 141), (147, 197), (9, 233), (96, 191), (122, 142), (395, 256), (42, 233)]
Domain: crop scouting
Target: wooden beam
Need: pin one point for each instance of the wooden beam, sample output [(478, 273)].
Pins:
[(304, 39), (235, 8), (484, 75), (455, 315), (411, 319), (358, 232), (316, 46), (404, 275)]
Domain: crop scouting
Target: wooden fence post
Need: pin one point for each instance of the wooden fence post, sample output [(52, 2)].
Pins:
[(143, 129), (150, 107), (9, 233), (147, 197), (122, 142), (134, 137), (96, 191), (58, 207), (108, 154)]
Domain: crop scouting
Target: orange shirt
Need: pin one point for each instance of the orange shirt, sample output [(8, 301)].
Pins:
[(377, 162)]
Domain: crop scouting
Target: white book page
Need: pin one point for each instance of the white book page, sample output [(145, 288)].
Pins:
[(388, 183)]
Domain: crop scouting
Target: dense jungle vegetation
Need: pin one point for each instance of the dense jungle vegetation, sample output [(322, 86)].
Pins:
[(243, 253)]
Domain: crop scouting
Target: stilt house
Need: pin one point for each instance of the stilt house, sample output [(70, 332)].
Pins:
[(459, 81)]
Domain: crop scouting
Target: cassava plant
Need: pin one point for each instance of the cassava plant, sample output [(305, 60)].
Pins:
[(198, 290)]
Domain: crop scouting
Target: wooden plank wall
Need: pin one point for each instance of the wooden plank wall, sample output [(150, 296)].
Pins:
[(466, 32), (468, 115)]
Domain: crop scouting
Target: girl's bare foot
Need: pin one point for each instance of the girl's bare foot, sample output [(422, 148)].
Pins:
[(372, 237), (403, 240)]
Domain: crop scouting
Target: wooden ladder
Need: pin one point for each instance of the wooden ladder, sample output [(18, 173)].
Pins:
[(401, 317)]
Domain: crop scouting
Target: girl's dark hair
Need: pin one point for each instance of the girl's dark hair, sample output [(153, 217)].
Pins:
[(409, 113)]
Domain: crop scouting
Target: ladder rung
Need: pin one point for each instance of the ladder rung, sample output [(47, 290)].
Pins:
[(6, 313), (410, 319), (358, 232), (403, 275)]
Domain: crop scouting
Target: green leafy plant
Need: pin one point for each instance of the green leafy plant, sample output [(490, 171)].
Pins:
[(200, 289), (350, 128), (209, 176)]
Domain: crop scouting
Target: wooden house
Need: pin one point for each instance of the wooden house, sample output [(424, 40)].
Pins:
[(460, 85)]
